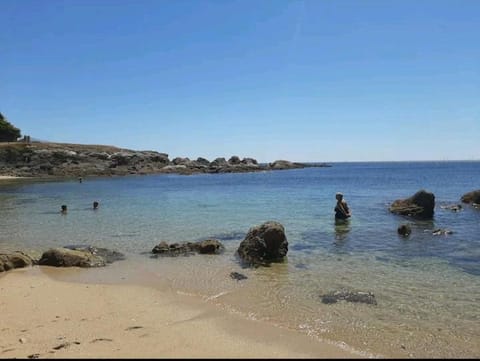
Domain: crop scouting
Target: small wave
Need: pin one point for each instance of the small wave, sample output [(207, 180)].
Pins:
[(121, 235), (228, 236), (217, 295)]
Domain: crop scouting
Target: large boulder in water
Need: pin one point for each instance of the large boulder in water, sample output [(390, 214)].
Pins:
[(264, 243), (15, 260), (472, 197), (420, 205)]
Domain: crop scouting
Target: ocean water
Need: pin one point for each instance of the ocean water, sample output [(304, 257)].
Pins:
[(427, 287)]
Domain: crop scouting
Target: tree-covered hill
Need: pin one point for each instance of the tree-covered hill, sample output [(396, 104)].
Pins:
[(8, 133)]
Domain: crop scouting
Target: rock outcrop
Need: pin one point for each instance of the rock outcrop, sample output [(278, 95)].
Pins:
[(284, 164), (13, 260), (471, 197), (263, 244), (420, 205), (75, 160)]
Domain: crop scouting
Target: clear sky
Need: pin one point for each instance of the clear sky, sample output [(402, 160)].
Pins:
[(315, 80)]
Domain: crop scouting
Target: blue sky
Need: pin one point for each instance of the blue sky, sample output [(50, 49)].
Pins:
[(316, 80)]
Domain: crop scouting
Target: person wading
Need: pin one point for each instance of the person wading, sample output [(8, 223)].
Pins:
[(341, 208)]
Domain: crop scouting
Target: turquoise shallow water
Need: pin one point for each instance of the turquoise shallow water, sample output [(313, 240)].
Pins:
[(427, 287)]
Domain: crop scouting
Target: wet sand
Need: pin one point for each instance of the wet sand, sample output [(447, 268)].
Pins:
[(47, 318)]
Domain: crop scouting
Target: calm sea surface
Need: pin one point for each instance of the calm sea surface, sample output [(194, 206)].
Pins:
[(427, 287)]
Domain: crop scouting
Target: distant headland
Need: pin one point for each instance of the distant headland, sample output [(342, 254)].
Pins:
[(25, 158)]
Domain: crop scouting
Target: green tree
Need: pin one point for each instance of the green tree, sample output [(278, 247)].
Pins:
[(8, 133)]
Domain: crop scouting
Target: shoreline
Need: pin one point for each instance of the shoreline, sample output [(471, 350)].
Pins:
[(9, 177), (44, 317)]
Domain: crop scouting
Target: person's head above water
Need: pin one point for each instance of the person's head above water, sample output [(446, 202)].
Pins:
[(64, 209), (95, 205)]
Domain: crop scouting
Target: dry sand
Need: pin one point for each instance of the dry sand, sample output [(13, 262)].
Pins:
[(46, 318)]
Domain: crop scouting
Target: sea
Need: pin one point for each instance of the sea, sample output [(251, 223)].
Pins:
[(426, 285)]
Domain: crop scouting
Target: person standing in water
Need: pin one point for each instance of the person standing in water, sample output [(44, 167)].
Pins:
[(341, 208)]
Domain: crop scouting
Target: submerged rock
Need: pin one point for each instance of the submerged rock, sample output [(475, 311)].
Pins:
[(238, 276), (264, 243), (208, 246), (440, 231), (349, 296), (420, 205), (404, 230)]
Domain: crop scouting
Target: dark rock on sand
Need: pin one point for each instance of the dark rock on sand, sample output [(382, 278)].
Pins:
[(264, 243), (420, 205), (208, 246), (349, 296), (471, 197), (16, 259), (238, 276)]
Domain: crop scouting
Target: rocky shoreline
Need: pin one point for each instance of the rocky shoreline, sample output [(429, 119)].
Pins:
[(47, 160)]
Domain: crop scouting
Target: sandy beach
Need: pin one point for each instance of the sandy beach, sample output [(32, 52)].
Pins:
[(46, 318), (8, 177)]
